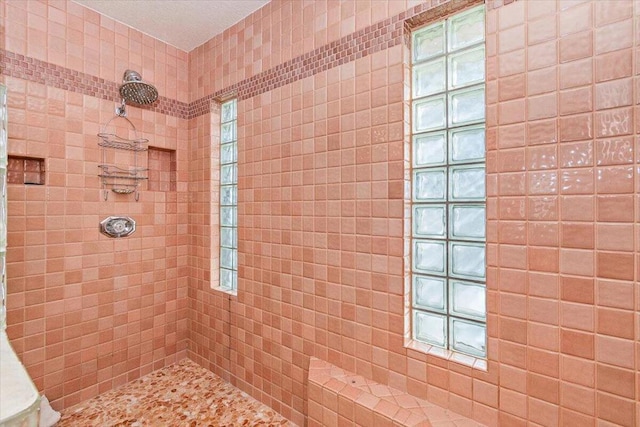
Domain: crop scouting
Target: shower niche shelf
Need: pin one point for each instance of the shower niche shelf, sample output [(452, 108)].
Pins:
[(119, 170)]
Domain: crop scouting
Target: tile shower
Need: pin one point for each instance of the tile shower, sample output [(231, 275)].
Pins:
[(321, 125)]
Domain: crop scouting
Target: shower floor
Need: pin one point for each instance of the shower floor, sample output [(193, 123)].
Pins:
[(183, 394)]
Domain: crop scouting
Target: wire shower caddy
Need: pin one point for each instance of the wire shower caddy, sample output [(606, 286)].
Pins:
[(123, 179)]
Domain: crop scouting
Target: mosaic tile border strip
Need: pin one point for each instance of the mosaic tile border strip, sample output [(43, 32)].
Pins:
[(382, 35), (357, 45), (35, 70)]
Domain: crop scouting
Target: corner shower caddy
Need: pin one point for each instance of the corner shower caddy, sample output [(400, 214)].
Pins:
[(122, 179)]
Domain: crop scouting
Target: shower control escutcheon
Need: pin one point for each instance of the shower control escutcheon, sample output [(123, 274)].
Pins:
[(117, 226)]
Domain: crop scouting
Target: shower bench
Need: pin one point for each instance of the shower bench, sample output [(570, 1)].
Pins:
[(334, 393)]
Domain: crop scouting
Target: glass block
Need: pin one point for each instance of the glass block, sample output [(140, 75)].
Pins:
[(3, 292), (226, 258), (429, 221), (466, 106), (3, 209), (228, 195), (228, 278), (228, 132), (228, 153), (429, 257), (429, 78), (467, 144), (228, 216), (466, 68), (468, 337), (3, 126), (3, 188), (468, 299), (228, 174), (228, 111), (228, 237), (468, 222), (467, 183), (3, 206), (429, 149), (467, 260), (429, 292), (466, 29), (429, 114), (429, 184), (428, 42), (430, 328)]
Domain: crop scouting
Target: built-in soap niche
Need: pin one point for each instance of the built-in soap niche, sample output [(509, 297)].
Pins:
[(25, 170), (162, 169)]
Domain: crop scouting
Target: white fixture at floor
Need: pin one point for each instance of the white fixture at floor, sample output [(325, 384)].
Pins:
[(19, 398)]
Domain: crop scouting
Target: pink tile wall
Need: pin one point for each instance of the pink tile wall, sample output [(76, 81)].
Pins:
[(68, 35), (87, 313), (563, 176), (279, 32), (321, 236), (322, 211), (322, 215)]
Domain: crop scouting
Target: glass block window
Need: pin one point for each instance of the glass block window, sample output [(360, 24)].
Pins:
[(3, 206), (229, 196), (448, 184)]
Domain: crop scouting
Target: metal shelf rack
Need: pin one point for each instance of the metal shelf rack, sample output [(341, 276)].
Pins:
[(121, 179)]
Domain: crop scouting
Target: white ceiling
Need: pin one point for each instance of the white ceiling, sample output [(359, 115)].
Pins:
[(185, 24)]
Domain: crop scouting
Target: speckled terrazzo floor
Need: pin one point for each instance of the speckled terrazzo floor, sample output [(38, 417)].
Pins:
[(183, 394)]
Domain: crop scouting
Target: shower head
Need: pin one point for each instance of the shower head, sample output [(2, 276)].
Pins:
[(135, 91)]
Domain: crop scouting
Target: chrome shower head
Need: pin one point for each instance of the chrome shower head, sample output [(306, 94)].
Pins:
[(136, 91)]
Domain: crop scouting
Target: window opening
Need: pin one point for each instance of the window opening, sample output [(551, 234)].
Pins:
[(229, 196), (448, 184)]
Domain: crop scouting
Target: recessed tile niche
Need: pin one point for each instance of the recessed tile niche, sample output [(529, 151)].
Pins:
[(162, 169), (25, 170)]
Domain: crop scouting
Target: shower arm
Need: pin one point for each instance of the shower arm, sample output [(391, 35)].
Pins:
[(121, 110)]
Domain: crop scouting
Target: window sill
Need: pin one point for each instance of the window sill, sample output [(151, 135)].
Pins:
[(233, 292), (452, 356)]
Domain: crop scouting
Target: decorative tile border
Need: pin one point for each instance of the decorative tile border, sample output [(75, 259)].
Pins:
[(365, 42), (35, 70), (374, 38)]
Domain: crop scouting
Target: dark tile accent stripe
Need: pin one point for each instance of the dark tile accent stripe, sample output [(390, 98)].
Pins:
[(35, 70), (382, 35)]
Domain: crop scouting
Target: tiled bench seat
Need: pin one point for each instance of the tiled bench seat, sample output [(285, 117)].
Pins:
[(340, 398)]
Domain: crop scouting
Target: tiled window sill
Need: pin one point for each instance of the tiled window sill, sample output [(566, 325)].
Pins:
[(233, 292), (463, 359)]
